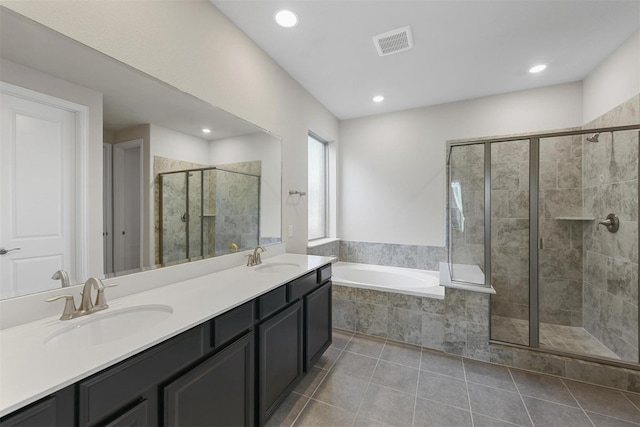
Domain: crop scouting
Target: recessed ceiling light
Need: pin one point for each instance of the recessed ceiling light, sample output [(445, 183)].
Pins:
[(378, 98), (286, 18), (205, 130), (537, 68)]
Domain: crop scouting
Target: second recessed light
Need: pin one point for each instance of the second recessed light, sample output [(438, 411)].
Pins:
[(286, 18), (378, 98), (537, 68)]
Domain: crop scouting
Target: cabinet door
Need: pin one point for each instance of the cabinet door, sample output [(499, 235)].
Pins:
[(135, 417), (280, 358), (317, 323), (41, 414), (218, 392)]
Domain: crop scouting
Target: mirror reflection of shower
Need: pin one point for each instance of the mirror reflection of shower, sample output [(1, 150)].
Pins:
[(205, 212)]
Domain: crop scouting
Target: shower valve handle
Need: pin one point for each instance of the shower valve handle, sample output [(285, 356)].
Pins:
[(612, 223)]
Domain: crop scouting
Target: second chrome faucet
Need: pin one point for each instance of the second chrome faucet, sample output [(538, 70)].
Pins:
[(254, 258)]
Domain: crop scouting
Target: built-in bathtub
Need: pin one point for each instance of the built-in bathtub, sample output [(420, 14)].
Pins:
[(422, 283)]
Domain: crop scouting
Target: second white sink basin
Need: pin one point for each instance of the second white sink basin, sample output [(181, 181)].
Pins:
[(277, 267), (106, 326)]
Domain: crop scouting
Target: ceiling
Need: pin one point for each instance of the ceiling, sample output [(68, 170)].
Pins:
[(462, 49)]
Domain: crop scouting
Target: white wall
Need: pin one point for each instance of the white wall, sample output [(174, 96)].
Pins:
[(614, 80), (266, 148), (194, 47), (392, 166)]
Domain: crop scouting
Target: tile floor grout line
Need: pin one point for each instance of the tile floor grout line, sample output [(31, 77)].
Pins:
[(466, 384), (578, 402), (521, 398), (415, 402), (369, 383), (627, 397), (295, 420)]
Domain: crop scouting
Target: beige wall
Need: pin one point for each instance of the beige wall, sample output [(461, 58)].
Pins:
[(194, 47)]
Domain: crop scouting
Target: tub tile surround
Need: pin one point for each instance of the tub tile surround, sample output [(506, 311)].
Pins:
[(387, 254), (370, 381)]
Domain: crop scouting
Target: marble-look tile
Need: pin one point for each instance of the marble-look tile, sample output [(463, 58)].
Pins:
[(344, 314), (442, 363), (433, 331), (372, 319), (595, 269), (429, 413), (342, 391), (432, 305), (354, 365), (622, 279), (443, 389), (344, 292), (477, 308), (365, 345), (405, 325), (622, 161), (547, 413), (565, 202), (397, 377), (501, 355), (408, 302), (604, 421), (485, 421), (402, 354), (561, 263), (510, 233), (604, 401), (388, 406), (309, 383), (370, 296), (501, 404), (595, 373), (477, 342), (489, 374), (505, 176), (626, 242), (510, 152), (322, 415), (340, 338), (570, 174), (630, 324), (560, 294), (542, 387)]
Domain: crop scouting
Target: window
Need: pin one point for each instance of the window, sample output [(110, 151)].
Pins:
[(317, 188)]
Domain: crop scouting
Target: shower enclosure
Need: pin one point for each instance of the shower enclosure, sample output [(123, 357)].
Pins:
[(207, 212), (552, 222)]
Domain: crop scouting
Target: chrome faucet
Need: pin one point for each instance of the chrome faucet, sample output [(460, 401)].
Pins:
[(254, 258), (86, 305), (63, 276)]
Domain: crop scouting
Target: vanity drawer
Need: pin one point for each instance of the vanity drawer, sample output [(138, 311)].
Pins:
[(303, 285), (324, 273), (272, 301), (233, 323), (110, 391)]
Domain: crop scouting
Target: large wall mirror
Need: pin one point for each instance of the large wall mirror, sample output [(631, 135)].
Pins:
[(181, 180)]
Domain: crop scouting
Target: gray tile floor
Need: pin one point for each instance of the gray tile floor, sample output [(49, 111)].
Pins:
[(364, 381), (571, 339)]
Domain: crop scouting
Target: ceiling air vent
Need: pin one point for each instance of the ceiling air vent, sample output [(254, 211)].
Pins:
[(393, 41)]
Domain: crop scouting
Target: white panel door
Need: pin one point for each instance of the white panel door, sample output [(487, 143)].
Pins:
[(37, 194)]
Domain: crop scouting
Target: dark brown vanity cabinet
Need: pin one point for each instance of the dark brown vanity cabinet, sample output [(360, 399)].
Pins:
[(233, 370), (217, 392)]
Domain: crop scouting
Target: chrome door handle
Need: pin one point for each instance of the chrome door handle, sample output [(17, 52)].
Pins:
[(6, 251)]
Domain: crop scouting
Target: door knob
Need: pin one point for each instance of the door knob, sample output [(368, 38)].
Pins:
[(6, 251)]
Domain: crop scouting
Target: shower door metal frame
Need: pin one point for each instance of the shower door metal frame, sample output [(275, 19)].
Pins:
[(534, 163)]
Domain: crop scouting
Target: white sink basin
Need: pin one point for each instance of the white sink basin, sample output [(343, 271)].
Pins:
[(277, 267), (106, 326)]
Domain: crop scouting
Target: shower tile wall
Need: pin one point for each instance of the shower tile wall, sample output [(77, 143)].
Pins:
[(467, 205), (560, 259), (510, 236), (174, 235), (610, 180), (237, 200)]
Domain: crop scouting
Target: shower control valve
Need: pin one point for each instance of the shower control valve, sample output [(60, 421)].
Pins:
[(612, 223)]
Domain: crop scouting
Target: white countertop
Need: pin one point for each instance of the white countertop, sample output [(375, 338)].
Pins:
[(30, 371)]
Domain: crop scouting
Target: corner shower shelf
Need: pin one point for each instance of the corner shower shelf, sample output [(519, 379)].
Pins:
[(209, 216), (575, 218)]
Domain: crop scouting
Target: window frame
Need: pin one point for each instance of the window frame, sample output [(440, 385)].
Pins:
[(325, 196)]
